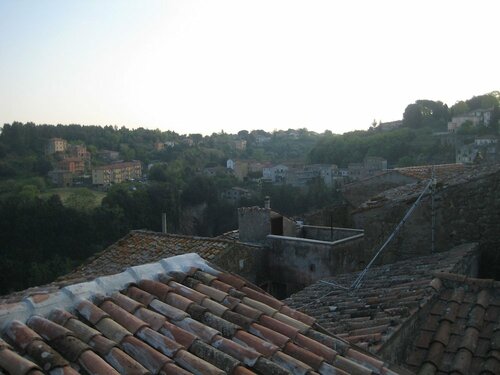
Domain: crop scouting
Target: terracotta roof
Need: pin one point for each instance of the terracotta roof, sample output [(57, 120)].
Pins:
[(389, 296), (410, 191), (233, 235), (424, 172), (461, 335), (177, 316), (137, 247)]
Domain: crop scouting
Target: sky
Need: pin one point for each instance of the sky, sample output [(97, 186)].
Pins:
[(227, 65)]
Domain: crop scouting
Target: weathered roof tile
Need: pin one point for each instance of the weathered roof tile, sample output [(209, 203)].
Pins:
[(184, 327), (389, 296)]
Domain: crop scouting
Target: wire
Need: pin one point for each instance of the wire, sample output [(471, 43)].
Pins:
[(356, 284)]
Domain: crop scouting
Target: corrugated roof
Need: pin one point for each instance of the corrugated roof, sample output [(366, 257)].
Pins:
[(390, 295), (177, 316)]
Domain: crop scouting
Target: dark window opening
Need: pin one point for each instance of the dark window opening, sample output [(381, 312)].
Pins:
[(277, 226), (489, 264)]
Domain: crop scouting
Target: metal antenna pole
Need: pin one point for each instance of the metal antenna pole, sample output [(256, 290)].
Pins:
[(433, 213), (357, 283)]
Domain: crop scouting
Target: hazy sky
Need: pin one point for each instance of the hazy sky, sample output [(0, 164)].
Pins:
[(206, 66)]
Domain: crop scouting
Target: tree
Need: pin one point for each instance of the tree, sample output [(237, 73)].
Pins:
[(412, 116), (459, 108)]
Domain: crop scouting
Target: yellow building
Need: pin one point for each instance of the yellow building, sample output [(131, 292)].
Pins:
[(116, 173), (56, 145)]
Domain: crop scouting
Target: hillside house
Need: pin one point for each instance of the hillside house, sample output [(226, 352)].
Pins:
[(262, 139), (79, 151), (390, 125), (476, 117), (214, 171), (109, 155), (106, 175), (305, 175), (240, 144), (484, 149), (159, 146), (486, 140), (238, 167), (74, 165), (61, 178), (276, 174), (370, 166), (55, 145), (235, 194)]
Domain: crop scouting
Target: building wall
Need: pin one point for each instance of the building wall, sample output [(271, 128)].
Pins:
[(245, 260), (56, 145), (328, 233), (465, 212), (254, 224), (335, 215), (116, 173), (289, 227), (298, 262)]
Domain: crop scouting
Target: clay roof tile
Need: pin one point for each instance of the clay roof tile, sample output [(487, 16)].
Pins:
[(112, 330), (140, 295), (126, 302), (232, 280), (90, 312), (144, 354), (15, 364), (81, 330), (262, 346), (122, 317), (178, 301), (20, 334), (156, 288), (278, 326), (46, 328), (178, 334), (171, 312), (154, 319)]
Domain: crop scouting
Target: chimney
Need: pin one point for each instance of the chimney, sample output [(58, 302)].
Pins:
[(164, 222), (267, 202)]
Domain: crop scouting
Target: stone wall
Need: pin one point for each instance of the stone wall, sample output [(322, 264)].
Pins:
[(245, 260), (298, 262), (467, 210), (254, 224), (328, 233)]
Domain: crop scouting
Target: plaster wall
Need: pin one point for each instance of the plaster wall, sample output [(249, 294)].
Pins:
[(298, 262), (328, 233)]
